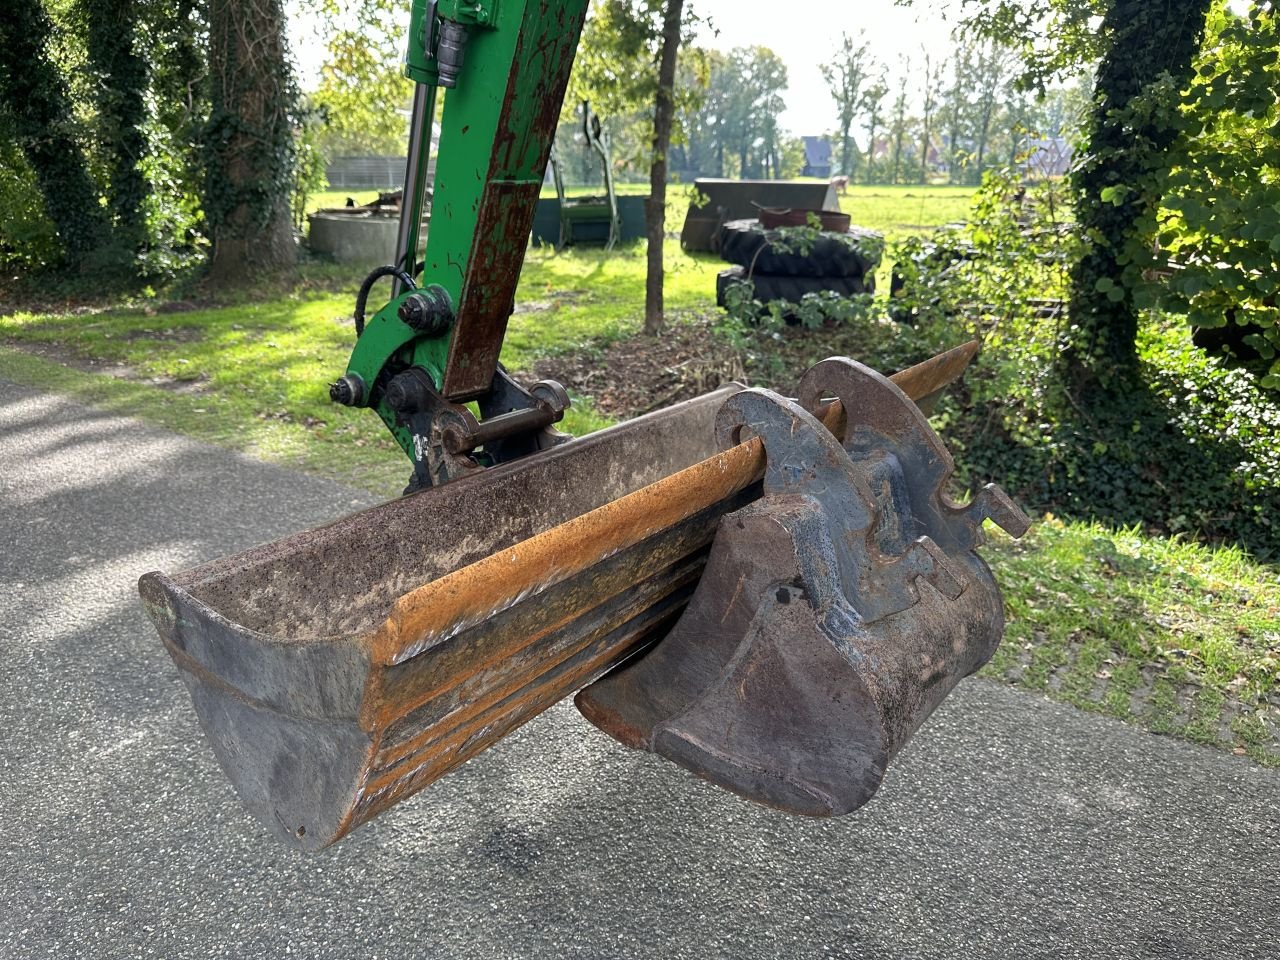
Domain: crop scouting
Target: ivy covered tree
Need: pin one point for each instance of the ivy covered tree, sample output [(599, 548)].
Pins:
[(1222, 196), (248, 140), (39, 116), (120, 90), (1121, 177), (1144, 53), (176, 35)]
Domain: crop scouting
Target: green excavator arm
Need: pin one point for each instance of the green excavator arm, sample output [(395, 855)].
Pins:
[(504, 66)]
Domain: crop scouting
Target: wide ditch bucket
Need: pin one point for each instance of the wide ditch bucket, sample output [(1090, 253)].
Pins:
[(341, 670)]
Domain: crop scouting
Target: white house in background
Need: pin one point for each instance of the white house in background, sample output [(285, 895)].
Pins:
[(1047, 157), (817, 157)]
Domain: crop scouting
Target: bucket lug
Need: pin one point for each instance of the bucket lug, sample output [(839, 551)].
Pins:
[(835, 613)]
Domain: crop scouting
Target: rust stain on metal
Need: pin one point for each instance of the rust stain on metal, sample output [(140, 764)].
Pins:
[(647, 574), (470, 595), (519, 156), (808, 655), (488, 291)]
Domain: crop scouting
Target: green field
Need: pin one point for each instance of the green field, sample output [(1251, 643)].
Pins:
[(901, 212), (897, 211)]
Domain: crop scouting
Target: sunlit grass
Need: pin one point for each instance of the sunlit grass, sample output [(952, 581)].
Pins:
[(1089, 606)]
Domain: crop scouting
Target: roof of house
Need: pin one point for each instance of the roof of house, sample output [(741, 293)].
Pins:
[(817, 151)]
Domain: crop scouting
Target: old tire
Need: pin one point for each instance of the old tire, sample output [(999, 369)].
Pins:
[(725, 279), (791, 289), (852, 254)]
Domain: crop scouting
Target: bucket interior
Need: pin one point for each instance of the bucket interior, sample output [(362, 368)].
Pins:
[(342, 579)]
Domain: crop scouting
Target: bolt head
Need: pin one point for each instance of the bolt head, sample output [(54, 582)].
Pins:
[(347, 390)]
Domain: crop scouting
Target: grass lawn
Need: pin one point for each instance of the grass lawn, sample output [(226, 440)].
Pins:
[(1178, 637), (905, 211), (566, 299), (1181, 638)]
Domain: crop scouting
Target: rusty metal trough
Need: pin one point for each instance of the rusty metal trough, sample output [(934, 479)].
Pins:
[(718, 201), (343, 669)]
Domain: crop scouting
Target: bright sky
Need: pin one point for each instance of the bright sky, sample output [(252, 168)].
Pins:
[(804, 33)]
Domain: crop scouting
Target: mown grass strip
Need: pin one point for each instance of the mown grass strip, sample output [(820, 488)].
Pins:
[(1098, 607), (214, 419)]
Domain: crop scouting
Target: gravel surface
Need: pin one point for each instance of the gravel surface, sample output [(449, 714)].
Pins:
[(1013, 827)]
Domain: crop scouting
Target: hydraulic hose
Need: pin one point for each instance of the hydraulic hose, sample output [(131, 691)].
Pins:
[(377, 274)]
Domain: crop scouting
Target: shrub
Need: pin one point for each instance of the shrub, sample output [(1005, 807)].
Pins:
[(1196, 450), (28, 238)]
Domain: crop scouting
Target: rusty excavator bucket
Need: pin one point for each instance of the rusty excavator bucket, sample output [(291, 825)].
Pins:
[(773, 593)]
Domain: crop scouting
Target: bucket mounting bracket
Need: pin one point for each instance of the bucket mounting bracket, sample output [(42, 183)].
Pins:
[(835, 613)]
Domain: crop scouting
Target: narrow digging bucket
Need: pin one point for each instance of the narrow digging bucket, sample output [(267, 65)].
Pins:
[(307, 658), (836, 612)]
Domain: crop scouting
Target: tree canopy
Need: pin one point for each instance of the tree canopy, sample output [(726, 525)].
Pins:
[(1220, 224)]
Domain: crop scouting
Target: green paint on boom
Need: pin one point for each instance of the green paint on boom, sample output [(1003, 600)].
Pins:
[(505, 66)]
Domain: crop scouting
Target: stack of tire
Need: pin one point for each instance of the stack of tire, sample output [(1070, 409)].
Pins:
[(842, 262)]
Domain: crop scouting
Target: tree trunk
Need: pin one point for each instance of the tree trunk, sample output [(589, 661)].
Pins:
[(924, 151), (899, 136), (35, 99), (872, 124), (926, 116), (1146, 41), (656, 208), (984, 133), (848, 153), (181, 94), (121, 90), (249, 140), (953, 134)]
